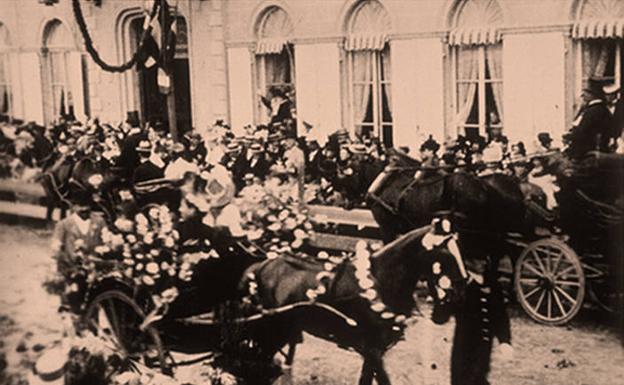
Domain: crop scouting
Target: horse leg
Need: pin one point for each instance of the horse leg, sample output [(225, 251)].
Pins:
[(368, 371), (286, 378)]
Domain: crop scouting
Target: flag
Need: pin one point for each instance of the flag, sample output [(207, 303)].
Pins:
[(159, 46)]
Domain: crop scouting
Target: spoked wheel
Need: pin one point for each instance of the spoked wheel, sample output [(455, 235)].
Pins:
[(549, 281), (116, 318)]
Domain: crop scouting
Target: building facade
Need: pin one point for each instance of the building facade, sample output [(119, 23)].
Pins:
[(398, 69)]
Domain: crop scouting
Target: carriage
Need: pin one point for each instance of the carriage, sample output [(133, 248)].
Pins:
[(553, 275), (578, 251)]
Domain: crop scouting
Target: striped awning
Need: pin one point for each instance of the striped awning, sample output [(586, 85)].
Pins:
[(361, 42), (270, 46), (475, 36), (598, 29)]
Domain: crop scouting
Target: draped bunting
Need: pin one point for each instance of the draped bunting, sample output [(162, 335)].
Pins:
[(599, 19), (475, 36)]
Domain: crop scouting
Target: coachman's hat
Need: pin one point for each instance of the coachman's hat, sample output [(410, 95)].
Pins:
[(430, 144)]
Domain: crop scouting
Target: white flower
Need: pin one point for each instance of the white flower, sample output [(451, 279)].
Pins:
[(300, 234), (153, 213), (128, 261), (436, 268), (152, 268), (148, 238), (139, 267), (283, 214), (154, 252), (102, 249), (139, 256), (297, 243), (322, 255), (290, 223), (128, 272), (272, 255), (148, 280), (131, 238), (123, 224), (274, 227), (169, 242), (444, 282), (141, 220)]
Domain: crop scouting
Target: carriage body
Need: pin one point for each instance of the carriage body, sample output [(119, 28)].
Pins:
[(552, 275)]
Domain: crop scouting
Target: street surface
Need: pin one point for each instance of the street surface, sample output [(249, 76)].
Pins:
[(586, 352)]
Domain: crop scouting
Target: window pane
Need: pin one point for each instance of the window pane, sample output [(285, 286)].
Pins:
[(467, 63), (57, 66)]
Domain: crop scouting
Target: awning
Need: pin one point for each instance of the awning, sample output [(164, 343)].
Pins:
[(475, 36), (361, 42), (598, 29), (270, 46)]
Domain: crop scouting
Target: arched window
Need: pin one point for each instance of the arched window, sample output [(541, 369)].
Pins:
[(5, 74), (275, 57), (476, 63), (368, 71), (599, 34), (57, 89)]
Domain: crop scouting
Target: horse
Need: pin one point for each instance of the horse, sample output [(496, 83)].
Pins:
[(359, 304), (484, 209)]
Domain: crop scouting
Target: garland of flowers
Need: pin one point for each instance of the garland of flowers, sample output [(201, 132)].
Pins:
[(82, 25)]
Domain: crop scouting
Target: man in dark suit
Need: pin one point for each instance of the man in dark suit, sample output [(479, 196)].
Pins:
[(313, 158), (129, 158), (592, 128), (256, 164), (481, 318), (146, 170), (615, 104)]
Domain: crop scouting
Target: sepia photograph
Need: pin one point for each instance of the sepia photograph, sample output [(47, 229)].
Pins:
[(311, 192)]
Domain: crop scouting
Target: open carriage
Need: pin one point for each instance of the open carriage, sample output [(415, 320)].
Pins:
[(554, 275)]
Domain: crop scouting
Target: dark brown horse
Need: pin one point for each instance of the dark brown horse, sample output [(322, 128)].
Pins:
[(484, 209), (360, 304)]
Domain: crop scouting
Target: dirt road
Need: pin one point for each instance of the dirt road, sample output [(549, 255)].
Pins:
[(586, 352)]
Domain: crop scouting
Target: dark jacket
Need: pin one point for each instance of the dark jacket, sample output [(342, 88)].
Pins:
[(593, 131), (147, 171), (482, 318), (129, 158)]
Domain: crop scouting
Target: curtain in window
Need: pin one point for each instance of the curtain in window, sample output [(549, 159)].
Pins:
[(386, 89), (277, 69), (362, 81), (467, 69), (596, 55), (495, 66)]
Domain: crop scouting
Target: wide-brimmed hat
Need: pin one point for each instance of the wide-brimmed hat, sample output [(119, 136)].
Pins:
[(220, 190), (232, 147), (357, 148), (611, 88), (144, 146), (49, 368), (177, 148), (256, 147), (275, 137)]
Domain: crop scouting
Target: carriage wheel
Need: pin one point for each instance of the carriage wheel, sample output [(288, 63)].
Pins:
[(116, 318), (549, 281)]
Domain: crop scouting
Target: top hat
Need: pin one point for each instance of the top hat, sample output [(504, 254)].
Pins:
[(430, 144), (132, 118), (594, 86), (544, 137)]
